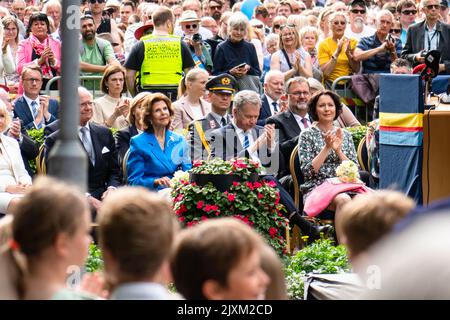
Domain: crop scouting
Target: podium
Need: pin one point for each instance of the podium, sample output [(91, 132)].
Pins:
[(436, 155)]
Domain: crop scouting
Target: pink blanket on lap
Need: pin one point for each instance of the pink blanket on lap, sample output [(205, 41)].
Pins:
[(321, 197)]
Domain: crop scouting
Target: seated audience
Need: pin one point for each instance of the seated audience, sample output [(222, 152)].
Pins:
[(112, 109), (136, 232), (219, 259), (156, 153), (322, 147), (14, 179), (124, 135), (190, 105)]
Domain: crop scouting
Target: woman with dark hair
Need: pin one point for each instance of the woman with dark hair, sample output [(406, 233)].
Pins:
[(112, 110), (40, 49), (323, 147), (156, 153)]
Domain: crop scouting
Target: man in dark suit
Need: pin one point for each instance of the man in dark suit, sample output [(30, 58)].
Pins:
[(34, 110), (97, 140), (243, 138), (273, 90), (29, 148), (220, 89), (430, 34), (292, 121)]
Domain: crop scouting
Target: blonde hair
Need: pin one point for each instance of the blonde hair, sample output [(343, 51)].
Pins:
[(369, 216), (5, 112), (136, 102), (309, 29), (296, 37)]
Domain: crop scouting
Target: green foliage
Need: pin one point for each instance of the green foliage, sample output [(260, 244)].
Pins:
[(357, 134), (38, 136), (256, 204), (321, 257), (94, 262)]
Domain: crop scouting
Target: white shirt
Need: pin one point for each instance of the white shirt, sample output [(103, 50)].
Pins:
[(366, 32), (272, 109), (241, 135), (431, 41), (88, 136), (299, 121), (38, 105)]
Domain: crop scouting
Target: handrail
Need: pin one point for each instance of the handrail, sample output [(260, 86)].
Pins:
[(337, 80), (82, 78)]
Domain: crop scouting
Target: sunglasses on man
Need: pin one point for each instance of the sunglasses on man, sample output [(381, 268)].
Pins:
[(98, 1), (409, 12)]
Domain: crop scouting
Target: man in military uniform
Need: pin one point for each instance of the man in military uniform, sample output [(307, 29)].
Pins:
[(221, 88)]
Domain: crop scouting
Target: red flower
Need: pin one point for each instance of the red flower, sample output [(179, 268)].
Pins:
[(271, 184), (245, 220), (217, 213), (181, 219), (181, 210), (196, 163), (231, 197), (179, 197), (273, 231), (260, 196), (214, 208), (250, 185), (257, 184), (204, 218), (235, 183), (199, 204)]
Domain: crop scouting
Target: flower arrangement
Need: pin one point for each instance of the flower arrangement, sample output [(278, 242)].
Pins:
[(254, 203), (348, 172)]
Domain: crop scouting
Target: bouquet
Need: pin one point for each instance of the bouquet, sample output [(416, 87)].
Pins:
[(348, 172)]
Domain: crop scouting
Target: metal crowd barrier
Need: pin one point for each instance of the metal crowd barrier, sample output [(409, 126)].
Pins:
[(95, 91)]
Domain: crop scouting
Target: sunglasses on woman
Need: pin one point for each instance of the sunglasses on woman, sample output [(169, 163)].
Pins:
[(98, 1), (191, 26), (395, 31)]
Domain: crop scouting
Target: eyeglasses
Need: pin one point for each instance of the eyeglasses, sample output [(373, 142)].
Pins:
[(395, 30), (299, 93), (31, 80), (276, 26), (433, 6), (87, 104), (287, 25), (259, 26), (189, 26), (94, 1), (342, 23), (409, 12), (215, 7), (357, 11)]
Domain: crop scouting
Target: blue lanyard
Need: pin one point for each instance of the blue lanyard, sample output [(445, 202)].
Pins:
[(432, 37)]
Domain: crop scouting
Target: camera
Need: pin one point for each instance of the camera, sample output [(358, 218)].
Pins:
[(197, 37), (390, 38), (423, 53)]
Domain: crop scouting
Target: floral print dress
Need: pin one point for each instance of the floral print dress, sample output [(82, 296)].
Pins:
[(310, 143)]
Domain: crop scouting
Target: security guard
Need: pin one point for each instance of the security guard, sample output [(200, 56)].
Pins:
[(220, 88), (156, 63)]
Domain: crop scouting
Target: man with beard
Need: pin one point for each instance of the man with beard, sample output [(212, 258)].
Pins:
[(273, 89), (214, 9), (96, 54), (357, 27), (292, 121)]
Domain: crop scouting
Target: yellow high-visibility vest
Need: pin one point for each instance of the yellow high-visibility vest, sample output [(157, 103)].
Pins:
[(162, 63)]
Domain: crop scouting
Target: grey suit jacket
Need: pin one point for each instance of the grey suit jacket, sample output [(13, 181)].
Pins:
[(415, 42)]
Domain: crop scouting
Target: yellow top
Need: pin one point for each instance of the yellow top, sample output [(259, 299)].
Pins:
[(327, 48)]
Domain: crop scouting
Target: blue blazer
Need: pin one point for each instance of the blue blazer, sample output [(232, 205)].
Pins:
[(264, 112), (22, 111), (148, 162)]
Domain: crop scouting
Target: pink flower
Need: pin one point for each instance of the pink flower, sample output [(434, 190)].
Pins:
[(181, 219), (249, 184), (181, 210), (231, 197), (271, 184), (204, 218), (235, 183), (214, 208), (217, 213), (199, 204), (273, 231), (196, 163), (245, 220), (257, 184), (260, 196)]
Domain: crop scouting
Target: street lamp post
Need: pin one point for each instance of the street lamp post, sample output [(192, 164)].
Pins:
[(67, 160)]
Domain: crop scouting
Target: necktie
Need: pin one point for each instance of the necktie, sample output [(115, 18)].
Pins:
[(275, 106), (305, 122), (223, 122), (35, 112), (246, 141), (87, 146)]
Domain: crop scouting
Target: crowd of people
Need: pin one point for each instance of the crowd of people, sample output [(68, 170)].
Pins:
[(186, 81)]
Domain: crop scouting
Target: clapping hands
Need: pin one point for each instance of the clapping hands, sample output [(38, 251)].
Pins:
[(333, 139)]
